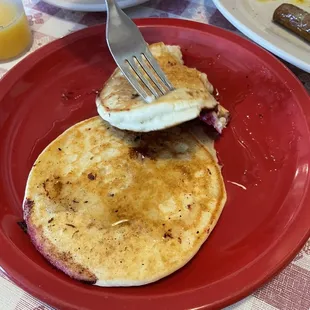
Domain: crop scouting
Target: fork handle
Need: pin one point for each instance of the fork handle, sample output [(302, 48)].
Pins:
[(111, 5), (121, 25), (112, 9)]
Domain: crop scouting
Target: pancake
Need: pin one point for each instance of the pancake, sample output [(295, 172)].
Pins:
[(120, 105), (116, 208)]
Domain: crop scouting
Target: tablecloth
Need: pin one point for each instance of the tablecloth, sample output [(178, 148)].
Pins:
[(289, 290)]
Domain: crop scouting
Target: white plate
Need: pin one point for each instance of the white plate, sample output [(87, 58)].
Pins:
[(254, 19), (91, 5)]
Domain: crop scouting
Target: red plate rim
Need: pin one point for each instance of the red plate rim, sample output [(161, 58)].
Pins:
[(292, 241)]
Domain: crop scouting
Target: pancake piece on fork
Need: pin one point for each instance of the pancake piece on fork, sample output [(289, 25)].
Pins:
[(120, 105)]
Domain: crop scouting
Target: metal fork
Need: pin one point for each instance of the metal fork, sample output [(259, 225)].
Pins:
[(132, 55)]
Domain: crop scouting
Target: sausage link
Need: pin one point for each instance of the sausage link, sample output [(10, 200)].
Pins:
[(294, 19)]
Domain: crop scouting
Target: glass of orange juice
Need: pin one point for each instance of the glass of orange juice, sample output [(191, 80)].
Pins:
[(15, 34)]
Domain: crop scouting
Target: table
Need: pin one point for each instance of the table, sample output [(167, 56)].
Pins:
[(290, 290)]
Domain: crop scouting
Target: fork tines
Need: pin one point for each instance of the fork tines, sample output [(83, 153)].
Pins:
[(132, 55), (146, 76)]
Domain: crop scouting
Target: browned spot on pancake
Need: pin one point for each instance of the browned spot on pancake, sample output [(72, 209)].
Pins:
[(45, 189), (168, 234), (58, 187), (141, 152), (75, 233), (137, 138), (52, 187), (51, 220), (91, 176), (90, 224), (70, 225)]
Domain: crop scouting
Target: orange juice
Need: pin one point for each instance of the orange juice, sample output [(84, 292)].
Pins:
[(15, 34)]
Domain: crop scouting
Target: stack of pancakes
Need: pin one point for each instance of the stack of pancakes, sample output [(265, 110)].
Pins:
[(117, 207)]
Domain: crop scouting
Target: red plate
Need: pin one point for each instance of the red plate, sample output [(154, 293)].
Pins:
[(265, 152)]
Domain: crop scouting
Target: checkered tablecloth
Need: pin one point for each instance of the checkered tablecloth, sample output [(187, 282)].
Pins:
[(290, 290)]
